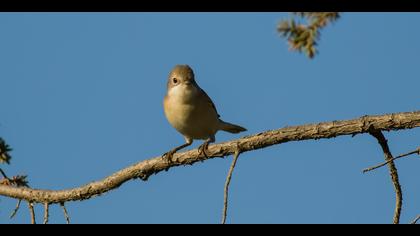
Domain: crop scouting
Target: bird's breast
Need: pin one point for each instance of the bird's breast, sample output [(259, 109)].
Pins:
[(188, 113)]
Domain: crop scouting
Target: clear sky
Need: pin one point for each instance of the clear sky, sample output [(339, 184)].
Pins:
[(81, 97)]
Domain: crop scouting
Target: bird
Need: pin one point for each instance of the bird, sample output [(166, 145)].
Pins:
[(191, 111)]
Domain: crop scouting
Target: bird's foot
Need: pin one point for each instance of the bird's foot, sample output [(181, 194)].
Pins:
[(168, 155), (202, 149)]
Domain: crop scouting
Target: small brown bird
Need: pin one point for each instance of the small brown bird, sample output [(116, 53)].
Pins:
[(191, 111)]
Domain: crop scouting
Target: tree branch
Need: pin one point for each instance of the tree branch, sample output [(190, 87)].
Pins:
[(32, 212), (4, 174), (417, 151), (415, 220), (392, 171), (16, 209), (46, 212), (146, 168), (66, 215)]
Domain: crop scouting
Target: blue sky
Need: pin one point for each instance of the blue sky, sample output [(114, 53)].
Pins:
[(82, 98)]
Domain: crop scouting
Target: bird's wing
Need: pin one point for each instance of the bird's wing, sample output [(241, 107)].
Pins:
[(208, 99)]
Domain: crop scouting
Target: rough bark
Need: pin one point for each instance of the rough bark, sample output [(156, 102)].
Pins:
[(146, 168)]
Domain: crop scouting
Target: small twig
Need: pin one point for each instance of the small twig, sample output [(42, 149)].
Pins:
[(66, 215), (13, 214), (415, 220), (16, 209), (393, 159), (32, 212), (16, 181), (4, 174), (46, 212), (392, 171), (227, 183)]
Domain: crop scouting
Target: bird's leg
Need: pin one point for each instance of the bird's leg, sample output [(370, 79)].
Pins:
[(203, 147), (168, 155)]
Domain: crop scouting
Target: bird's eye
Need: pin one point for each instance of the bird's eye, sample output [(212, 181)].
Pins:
[(175, 80)]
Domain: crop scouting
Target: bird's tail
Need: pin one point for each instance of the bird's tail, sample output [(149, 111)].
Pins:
[(231, 128)]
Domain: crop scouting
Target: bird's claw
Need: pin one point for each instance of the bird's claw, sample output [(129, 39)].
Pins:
[(202, 149), (168, 156)]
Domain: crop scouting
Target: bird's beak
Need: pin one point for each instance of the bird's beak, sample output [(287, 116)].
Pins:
[(187, 82)]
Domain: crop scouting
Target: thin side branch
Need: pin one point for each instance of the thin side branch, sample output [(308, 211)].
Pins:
[(227, 183), (146, 168), (16, 209), (66, 215), (392, 171), (4, 174), (46, 212), (415, 220), (391, 160), (32, 212)]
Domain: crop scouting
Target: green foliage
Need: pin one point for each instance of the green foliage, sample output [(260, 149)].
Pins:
[(17, 181), (4, 152), (303, 37)]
